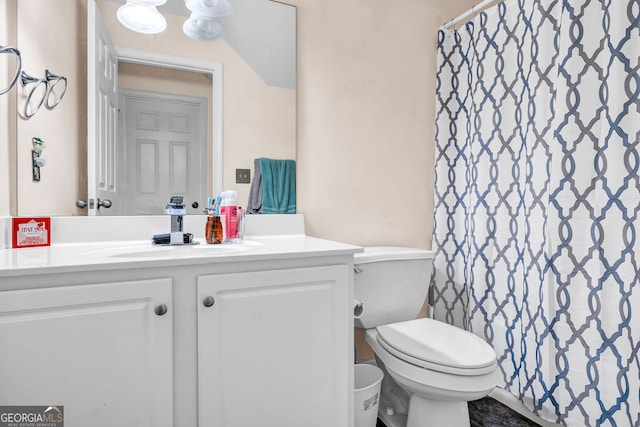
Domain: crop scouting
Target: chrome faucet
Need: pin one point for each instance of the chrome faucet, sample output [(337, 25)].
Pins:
[(176, 209)]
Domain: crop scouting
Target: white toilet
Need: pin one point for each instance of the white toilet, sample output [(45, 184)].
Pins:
[(431, 369)]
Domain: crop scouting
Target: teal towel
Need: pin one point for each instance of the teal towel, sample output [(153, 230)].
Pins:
[(278, 186)]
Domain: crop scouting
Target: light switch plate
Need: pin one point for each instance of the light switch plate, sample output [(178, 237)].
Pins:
[(243, 176)]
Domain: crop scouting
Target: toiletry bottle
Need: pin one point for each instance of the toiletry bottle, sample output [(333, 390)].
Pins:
[(218, 230), (213, 232), (230, 212)]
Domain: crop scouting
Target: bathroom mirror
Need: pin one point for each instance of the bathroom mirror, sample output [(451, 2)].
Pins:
[(257, 99)]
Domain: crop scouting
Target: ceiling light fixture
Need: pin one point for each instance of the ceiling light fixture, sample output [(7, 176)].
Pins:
[(203, 28), (142, 16), (202, 24)]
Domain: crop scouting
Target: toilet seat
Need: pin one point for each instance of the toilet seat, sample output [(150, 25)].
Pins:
[(435, 345), (433, 382)]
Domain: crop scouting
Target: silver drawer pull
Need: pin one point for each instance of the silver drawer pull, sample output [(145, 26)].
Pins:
[(160, 309), (209, 301)]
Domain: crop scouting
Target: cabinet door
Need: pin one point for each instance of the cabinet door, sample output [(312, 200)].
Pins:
[(273, 349), (100, 351)]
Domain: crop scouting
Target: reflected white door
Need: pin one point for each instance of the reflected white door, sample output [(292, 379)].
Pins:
[(164, 139), (102, 104)]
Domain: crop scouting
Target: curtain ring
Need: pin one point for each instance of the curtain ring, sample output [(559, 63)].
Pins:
[(26, 79), (10, 49), (59, 83)]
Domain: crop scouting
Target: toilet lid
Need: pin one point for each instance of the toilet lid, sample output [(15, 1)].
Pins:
[(436, 343)]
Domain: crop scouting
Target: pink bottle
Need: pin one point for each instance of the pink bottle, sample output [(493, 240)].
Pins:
[(229, 209)]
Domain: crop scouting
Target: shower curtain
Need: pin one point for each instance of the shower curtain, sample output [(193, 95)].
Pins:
[(537, 199)]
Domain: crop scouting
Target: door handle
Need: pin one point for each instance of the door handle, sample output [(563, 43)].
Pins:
[(106, 203)]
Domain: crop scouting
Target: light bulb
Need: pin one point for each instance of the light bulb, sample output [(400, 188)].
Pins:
[(141, 18), (203, 28)]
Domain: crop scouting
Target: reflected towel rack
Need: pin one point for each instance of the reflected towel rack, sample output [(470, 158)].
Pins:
[(51, 94), (16, 52)]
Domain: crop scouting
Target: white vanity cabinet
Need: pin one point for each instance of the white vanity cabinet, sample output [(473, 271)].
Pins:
[(103, 351), (254, 334), (273, 348)]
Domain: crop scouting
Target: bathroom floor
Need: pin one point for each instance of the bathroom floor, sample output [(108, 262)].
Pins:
[(489, 412)]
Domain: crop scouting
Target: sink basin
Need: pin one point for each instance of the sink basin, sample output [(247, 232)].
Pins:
[(147, 250), (185, 251)]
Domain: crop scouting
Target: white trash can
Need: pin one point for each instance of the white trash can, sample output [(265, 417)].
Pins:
[(367, 394)]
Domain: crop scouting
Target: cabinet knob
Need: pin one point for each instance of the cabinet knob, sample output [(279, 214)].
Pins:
[(160, 309), (208, 301)]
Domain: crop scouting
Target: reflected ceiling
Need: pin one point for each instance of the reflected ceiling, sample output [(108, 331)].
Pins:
[(270, 50)]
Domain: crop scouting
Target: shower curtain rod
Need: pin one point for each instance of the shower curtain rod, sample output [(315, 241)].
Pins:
[(464, 15)]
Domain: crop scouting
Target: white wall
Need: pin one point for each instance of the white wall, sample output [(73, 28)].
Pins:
[(366, 99), (56, 48)]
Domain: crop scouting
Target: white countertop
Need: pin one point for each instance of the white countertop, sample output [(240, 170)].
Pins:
[(276, 237), (69, 257)]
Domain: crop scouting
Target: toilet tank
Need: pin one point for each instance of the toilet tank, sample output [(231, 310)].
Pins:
[(392, 282)]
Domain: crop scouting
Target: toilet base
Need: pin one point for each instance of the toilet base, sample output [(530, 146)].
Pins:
[(388, 415), (427, 413), (431, 413), (397, 408)]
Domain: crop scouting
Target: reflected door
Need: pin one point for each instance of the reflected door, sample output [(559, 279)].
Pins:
[(164, 139), (102, 103)]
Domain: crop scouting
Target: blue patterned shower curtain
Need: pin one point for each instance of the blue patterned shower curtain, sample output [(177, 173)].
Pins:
[(537, 201)]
